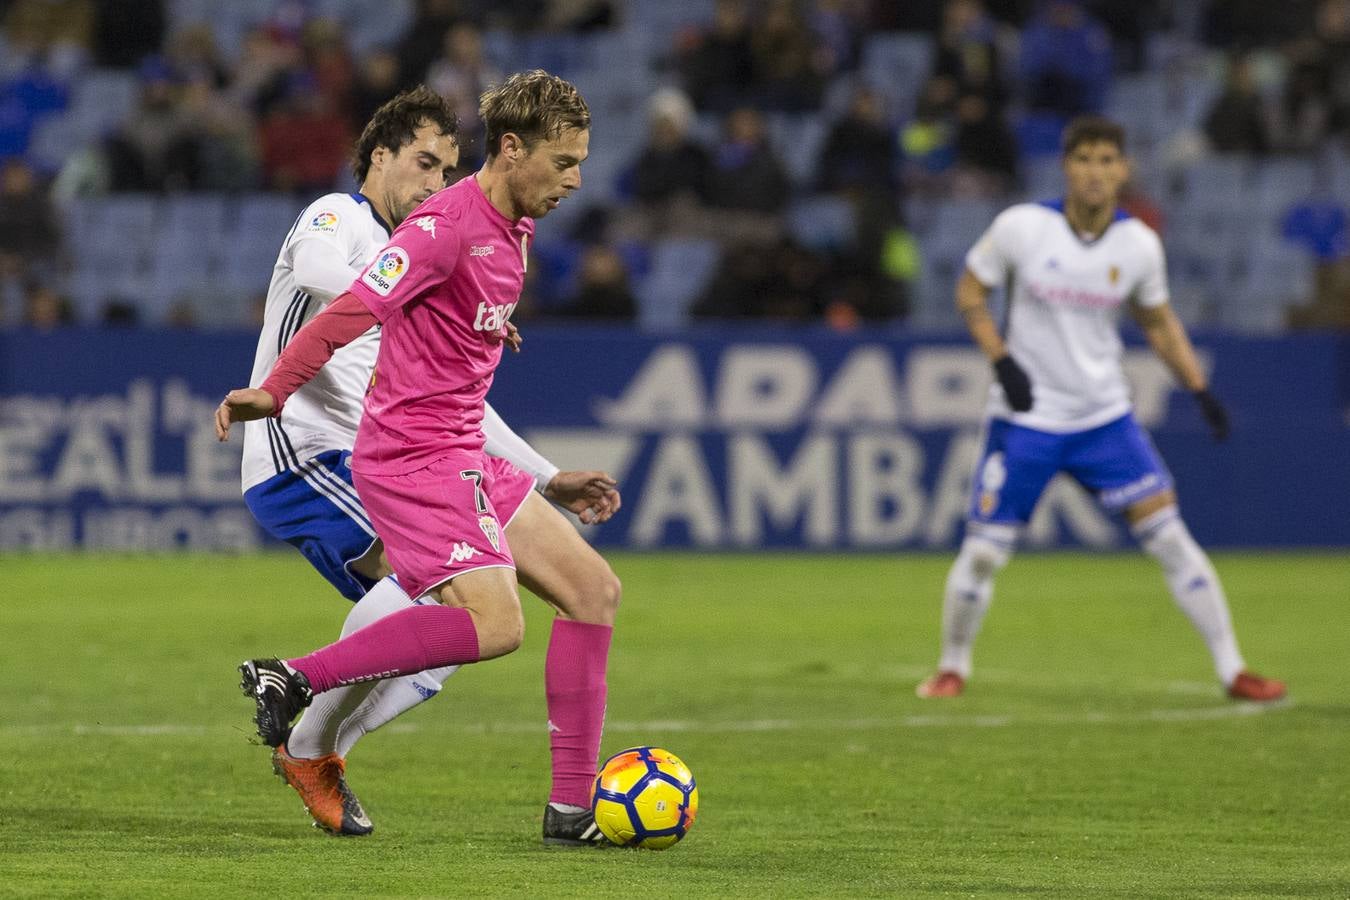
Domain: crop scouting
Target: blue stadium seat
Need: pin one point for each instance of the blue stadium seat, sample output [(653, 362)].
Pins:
[(680, 270), (896, 64), (798, 140), (823, 222)]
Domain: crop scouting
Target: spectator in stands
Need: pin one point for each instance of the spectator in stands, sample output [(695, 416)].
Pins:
[(839, 26), (716, 63), (986, 152), (377, 79), (1238, 121), (788, 64), (461, 73), (1316, 97), (44, 309), (747, 175), (53, 36), (782, 282), (602, 287), (157, 149), (967, 52), (30, 236), (328, 60), (267, 64), (929, 139), (860, 154), (672, 167), (1066, 59), (126, 31), (305, 142), (424, 40), (192, 54)]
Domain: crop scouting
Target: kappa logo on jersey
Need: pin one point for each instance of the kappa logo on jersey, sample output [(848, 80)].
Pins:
[(386, 270), (324, 221), (427, 224), (461, 552), (491, 531), (491, 317), (482, 250)]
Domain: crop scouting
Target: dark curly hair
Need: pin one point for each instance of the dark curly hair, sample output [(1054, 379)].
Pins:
[(1092, 130), (394, 123), (533, 105)]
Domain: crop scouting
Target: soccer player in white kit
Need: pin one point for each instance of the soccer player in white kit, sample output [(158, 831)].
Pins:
[(296, 471), (1062, 404)]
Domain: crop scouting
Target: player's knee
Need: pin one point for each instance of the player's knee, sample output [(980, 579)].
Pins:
[(592, 595), (984, 557), (500, 632)]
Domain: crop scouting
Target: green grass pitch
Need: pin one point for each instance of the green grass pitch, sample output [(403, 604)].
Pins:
[(1091, 757)]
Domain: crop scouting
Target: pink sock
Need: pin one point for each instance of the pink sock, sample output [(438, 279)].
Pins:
[(408, 641), (574, 683)]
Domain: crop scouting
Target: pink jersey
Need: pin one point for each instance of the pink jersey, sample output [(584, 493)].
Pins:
[(442, 289)]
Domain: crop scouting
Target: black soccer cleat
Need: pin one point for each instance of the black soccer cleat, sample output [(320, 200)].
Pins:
[(578, 829), (280, 693)]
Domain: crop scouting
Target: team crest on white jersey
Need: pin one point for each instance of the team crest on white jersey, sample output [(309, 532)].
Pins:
[(427, 224), (461, 552), (491, 531), (387, 270), (481, 250)]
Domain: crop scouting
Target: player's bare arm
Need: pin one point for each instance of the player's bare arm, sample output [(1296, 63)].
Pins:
[(1168, 338), (972, 301), (593, 496)]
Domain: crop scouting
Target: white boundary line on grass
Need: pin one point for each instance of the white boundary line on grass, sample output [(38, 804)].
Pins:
[(656, 726)]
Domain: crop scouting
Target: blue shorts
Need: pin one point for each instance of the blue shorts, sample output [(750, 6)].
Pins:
[(1115, 461), (315, 509)]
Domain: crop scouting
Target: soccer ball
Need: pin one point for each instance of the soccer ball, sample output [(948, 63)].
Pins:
[(645, 797)]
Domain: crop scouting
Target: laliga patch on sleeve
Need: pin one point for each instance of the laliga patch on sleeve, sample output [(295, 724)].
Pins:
[(386, 270), (326, 221)]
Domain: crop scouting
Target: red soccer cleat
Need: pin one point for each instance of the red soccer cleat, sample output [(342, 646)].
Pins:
[(323, 788), (1250, 686), (943, 684)]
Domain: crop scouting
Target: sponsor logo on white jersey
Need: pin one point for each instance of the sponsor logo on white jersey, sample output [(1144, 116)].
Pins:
[(386, 271), (461, 552), (481, 250), (491, 317), (427, 224)]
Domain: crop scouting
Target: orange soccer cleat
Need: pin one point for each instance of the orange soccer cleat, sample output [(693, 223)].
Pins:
[(943, 684), (323, 789), (1250, 686)]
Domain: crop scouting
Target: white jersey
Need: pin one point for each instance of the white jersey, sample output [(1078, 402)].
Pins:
[(331, 242), (329, 246), (1064, 298)]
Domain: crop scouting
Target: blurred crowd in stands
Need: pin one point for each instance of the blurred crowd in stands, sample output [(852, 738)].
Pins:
[(792, 160)]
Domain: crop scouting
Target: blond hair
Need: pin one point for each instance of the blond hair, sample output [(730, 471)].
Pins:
[(534, 105)]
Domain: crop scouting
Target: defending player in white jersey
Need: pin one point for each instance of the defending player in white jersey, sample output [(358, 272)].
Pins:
[(296, 472), (1062, 404)]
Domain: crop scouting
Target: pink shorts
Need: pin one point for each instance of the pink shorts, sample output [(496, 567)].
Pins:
[(445, 519)]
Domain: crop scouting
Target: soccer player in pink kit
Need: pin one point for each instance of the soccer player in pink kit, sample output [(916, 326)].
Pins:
[(443, 290)]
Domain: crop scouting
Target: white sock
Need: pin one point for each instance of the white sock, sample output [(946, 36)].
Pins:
[(969, 591), (1194, 585), (337, 719)]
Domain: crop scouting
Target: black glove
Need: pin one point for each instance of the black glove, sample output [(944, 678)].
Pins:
[(1214, 413), (1016, 384)]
